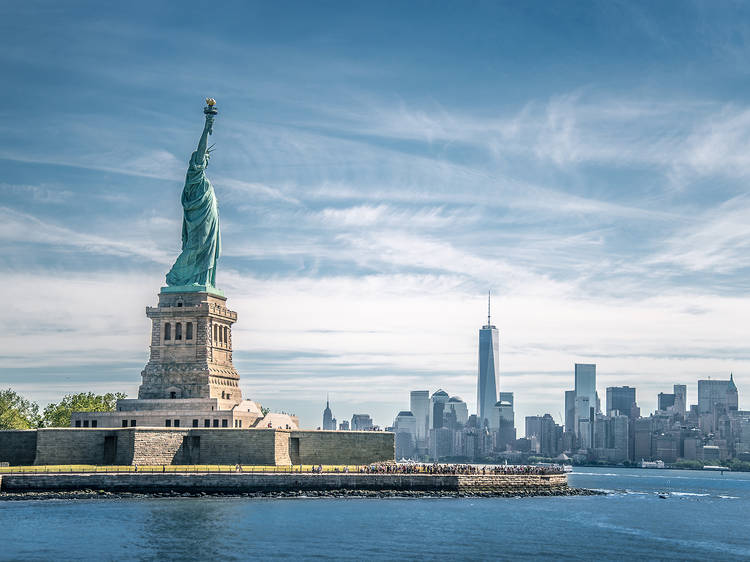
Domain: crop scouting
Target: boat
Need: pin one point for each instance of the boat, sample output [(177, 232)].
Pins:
[(652, 464), (716, 468)]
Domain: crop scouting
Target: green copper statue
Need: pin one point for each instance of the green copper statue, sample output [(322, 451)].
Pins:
[(195, 268)]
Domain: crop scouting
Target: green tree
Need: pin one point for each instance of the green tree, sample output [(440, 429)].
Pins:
[(58, 415), (16, 412)]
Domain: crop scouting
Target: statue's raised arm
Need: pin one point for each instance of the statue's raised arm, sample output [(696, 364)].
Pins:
[(208, 128), (201, 240)]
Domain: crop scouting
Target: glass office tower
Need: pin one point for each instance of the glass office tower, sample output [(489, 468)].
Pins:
[(585, 388), (488, 381)]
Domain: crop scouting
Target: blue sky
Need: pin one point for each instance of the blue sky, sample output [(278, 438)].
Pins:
[(379, 166)]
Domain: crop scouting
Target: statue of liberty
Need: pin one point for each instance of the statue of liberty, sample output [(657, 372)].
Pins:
[(195, 268)]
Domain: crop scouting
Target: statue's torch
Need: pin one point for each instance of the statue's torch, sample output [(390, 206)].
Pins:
[(210, 108)]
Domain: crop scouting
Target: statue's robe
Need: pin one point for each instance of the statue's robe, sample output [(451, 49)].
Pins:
[(201, 239)]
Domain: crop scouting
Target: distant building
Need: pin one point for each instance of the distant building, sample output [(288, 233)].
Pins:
[(611, 438), (459, 409), (570, 410), (620, 399), (362, 422), (506, 430), (716, 398), (405, 428), (642, 439), (488, 379), (586, 400), (441, 443), (437, 408), (329, 422), (544, 434), (344, 425), (420, 407), (711, 453), (665, 401), (680, 400)]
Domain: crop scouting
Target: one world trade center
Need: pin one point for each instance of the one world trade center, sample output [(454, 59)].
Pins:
[(488, 381)]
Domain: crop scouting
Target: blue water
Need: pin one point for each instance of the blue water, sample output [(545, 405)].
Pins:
[(704, 517)]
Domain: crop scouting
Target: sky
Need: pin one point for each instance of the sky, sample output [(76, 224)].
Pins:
[(379, 167)]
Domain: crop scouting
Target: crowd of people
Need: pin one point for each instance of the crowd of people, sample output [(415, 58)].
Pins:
[(450, 469)]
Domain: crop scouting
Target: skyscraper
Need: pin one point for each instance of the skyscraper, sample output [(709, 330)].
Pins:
[(329, 422), (570, 410), (420, 406), (488, 381), (680, 399), (665, 401), (459, 408), (405, 428), (715, 397), (437, 408), (361, 422), (620, 399), (506, 430), (585, 388), (713, 394)]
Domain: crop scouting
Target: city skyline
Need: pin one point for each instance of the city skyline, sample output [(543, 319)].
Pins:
[(677, 434), (376, 179)]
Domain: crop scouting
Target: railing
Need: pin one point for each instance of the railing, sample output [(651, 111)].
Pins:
[(427, 469)]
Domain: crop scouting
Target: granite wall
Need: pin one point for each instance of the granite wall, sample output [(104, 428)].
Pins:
[(155, 446), (342, 447), (281, 482), (18, 447)]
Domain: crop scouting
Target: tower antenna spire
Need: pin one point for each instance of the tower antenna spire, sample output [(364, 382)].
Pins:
[(489, 294)]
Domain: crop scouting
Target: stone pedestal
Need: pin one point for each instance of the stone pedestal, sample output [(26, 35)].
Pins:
[(191, 349)]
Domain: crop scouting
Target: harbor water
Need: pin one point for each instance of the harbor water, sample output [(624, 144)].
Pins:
[(654, 514)]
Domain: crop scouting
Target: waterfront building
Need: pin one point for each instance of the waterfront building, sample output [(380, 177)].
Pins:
[(488, 379), (711, 453), (642, 433), (666, 447)]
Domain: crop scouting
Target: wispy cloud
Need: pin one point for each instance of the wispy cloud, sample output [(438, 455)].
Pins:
[(21, 227), (718, 240)]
